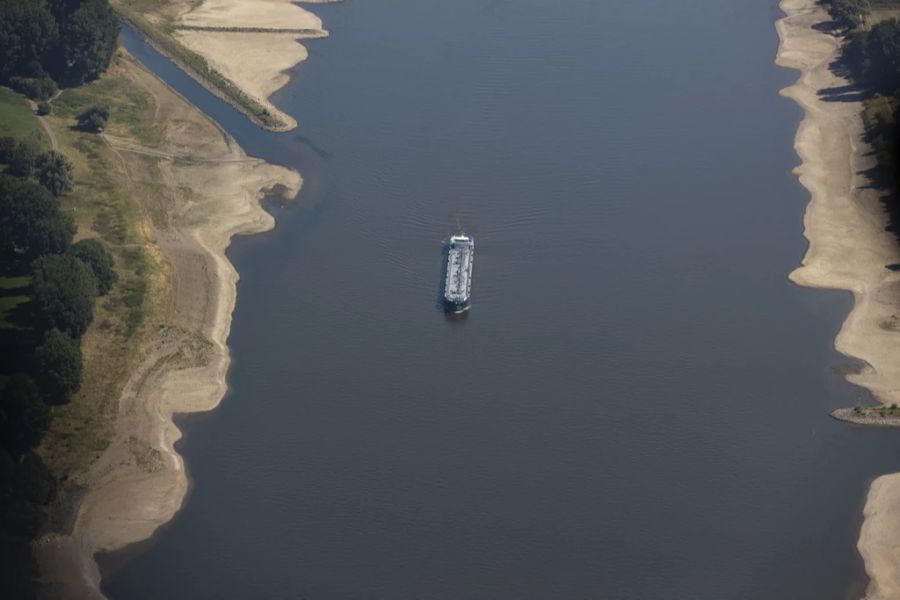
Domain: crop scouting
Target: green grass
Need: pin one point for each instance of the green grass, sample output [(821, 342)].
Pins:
[(128, 108), (17, 119), (12, 294)]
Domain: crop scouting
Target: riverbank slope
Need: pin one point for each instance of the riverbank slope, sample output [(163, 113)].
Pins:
[(849, 249), (193, 189)]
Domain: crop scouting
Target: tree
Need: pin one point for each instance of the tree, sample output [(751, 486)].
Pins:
[(849, 13), (94, 254), (54, 172), (88, 33), (7, 148), (883, 51), (31, 223), (44, 109), (27, 34), (24, 158), (57, 364), (94, 118), (64, 293), (25, 417), (36, 88)]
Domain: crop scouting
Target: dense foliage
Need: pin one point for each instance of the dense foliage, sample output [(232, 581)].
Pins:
[(58, 361), (23, 158), (31, 223), (54, 171), (25, 416), (849, 13), (71, 41), (95, 255), (64, 293)]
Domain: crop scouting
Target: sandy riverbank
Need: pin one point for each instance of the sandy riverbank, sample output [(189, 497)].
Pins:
[(252, 43), (208, 191), (849, 249)]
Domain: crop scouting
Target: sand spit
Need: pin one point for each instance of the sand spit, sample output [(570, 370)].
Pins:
[(849, 249), (255, 55), (212, 190)]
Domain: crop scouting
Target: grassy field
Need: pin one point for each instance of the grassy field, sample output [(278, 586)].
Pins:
[(17, 119)]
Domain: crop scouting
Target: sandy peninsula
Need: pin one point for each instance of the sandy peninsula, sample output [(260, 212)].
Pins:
[(849, 249), (252, 43), (210, 192)]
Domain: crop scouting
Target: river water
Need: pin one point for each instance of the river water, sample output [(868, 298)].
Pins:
[(636, 406)]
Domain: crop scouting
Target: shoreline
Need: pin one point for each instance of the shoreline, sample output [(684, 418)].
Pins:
[(139, 482), (849, 249), (268, 50)]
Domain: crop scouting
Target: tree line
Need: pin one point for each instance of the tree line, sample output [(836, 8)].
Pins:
[(41, 350), (870, 58), (50, 43)]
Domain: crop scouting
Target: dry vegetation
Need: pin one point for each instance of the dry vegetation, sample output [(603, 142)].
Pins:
[(106, 203)]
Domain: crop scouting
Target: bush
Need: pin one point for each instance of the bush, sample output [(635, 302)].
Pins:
[(94, 254), (57, 363), (94, 119), (54, 172), (44, 109), (26, 417), (42, 88), (64, 293)]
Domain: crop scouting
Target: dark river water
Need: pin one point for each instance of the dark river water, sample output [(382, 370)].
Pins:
[(636, 406)]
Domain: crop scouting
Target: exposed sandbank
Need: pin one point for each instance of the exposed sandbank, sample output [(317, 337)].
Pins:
[(244, 40), (211, 191), (849, 249)]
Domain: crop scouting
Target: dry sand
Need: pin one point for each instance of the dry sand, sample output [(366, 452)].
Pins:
[(257, 62), (849, 249), (212, 192)]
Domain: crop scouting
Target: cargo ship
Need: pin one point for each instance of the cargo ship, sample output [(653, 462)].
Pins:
[(458, 280)]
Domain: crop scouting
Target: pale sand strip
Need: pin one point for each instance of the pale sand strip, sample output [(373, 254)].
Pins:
[(257, 62), (251, 13), (212, 197), (848, 250)]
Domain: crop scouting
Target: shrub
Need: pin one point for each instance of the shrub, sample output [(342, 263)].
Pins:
[(94, 118), (44, 109)]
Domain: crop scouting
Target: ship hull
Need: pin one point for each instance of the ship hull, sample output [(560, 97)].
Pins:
[(455, 308), (459, 258)]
